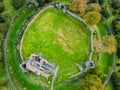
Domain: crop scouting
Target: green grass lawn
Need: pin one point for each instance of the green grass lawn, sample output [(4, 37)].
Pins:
[(60, 38), (106, 62), (16, 73), (102, 29)]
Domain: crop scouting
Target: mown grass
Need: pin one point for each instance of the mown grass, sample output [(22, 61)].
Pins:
[(18, 78), (60, 38)]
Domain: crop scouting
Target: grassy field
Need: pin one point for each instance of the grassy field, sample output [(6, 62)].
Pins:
[(109, 86), (60, 38), (105, 61), (18, 78)]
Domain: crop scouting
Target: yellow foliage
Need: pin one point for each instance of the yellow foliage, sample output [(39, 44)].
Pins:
[(92, 17), (78, 6), (108, 44)]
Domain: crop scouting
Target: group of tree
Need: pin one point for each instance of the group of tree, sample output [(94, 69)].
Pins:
[(115, 4), (104, 10), (90, 82), (41, 2), (3, 29), (89, 11), (116, 30), (97, 1), (78, 6), (1, 6), (116, 80), (19, 3), (108, 44)]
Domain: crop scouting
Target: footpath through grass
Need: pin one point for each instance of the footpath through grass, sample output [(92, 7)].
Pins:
[(60, 38)]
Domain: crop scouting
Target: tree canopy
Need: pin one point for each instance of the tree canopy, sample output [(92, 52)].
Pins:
[(1, 6), (108, 44), (78, 6), (91, 82), (92, 17)]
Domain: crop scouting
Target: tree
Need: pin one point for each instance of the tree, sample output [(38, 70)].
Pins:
[(101, 2), (2, 28), (105, 12), (2, 20), (115, 4), (93, 1), (116, 29), (92, 17), (41, 2), (1, 7), (48, 0), (94, 7), (108, 44), (91, 82), (78, 6), (116, 80)]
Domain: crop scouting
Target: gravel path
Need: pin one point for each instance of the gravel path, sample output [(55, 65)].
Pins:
[(53, 79)]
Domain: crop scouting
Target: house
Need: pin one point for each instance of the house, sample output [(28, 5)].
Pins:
[(38, 65)]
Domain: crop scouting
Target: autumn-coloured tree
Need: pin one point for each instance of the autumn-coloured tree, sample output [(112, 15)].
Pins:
[(107, 45), (78, 6), (91, 82), (92, 17)]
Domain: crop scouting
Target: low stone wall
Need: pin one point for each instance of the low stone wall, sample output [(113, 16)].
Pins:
[(91, 30)]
